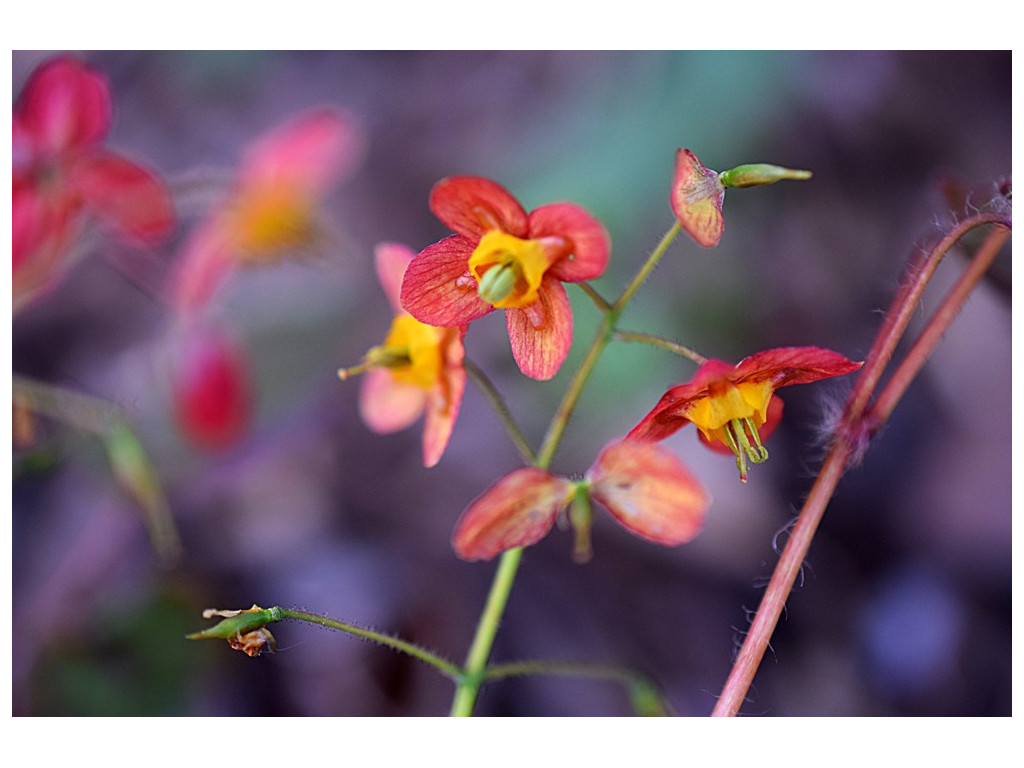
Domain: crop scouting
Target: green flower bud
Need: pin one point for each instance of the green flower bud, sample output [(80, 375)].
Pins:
[(759, 174)]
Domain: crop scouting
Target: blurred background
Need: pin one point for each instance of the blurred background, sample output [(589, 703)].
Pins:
[(905, 604)]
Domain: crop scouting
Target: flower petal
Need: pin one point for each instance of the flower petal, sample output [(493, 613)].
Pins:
[(649, 492), (588, 243), (786, 366), (443, 401), (437, 288), (387, 405), (65, 105), (516, 511), (391, 260), (697, 197), (208, 259), (541, 333), (307, 154), (127, 194), (473, 206)]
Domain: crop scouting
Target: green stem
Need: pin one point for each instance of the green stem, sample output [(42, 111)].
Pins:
[(445, 667), (657, 341), (501, 587), (599, 301), (498, 403)]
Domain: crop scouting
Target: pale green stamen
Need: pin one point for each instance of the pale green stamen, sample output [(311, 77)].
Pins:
[(498, 282), (738, 434)]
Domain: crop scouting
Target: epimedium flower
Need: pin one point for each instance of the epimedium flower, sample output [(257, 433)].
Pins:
[(733, 405), (417, 371), (62, 171), (211, 388), (272, 209), (502, 257), (646, 489), (698, 192)]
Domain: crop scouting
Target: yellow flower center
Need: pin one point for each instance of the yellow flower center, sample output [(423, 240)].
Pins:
[(412, 350), (732, 414), (508, 270), (269, 221)]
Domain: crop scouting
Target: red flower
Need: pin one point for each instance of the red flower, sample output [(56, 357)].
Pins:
[(645, 488), (698, 192), (732, 406), (417, 371), (272, 210), (211, 389), (60, 170), (504, 258)]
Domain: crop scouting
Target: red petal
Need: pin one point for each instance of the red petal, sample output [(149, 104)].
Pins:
[(785, 366), (438, 289), (391, 260), (473, 206), (649, 491), (697, 197), (212, 398), (307, 153), (133, 199), (65, 105), (443, 401), (667, 417), (541, 334), (516, 511), (589, 244), (208, 259), (387, 405)]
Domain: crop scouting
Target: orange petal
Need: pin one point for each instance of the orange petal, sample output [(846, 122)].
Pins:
[(473, 206), (541, 333), (443, 401), (391, 260), (437, 288), (516, 511), (649, 491), (587, 240)]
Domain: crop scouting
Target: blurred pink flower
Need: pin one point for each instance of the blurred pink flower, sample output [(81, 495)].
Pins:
[(272, 210), (60, 170)]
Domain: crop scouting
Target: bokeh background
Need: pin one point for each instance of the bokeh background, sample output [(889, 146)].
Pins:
[(905, 605)]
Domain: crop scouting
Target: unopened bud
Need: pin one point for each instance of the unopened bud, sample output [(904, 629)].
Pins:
[(759, 174)]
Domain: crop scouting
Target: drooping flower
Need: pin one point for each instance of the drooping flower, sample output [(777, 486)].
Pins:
[(272, 210), (646, 489), (417, 371), (503, 258), (733, 406), (698, 192), (62, 171), (211, 389)]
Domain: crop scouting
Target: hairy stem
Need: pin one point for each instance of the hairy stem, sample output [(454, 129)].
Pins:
[(501, 408), (657, 341), (850, 439)]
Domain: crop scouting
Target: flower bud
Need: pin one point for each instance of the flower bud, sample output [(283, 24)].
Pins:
[(759, 175)]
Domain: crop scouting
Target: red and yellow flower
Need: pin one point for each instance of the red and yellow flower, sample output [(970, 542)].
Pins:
[(417, 371), (501, 257), (61, 170), (646, 489), (272, 210), (698, 192), (733, 406)]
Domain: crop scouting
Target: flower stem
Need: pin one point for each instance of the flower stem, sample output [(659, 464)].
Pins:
[(855, 428), (445, 667), (656, 341), (487, 628), (501, 408)]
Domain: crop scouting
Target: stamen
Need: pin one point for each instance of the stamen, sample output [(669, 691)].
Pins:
[(497, 283), (377, 357)]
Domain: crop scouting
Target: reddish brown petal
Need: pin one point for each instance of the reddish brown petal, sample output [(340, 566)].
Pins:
[(444, 400), (391, 260), (472, 206), (65, 105), (649, 491), (697, 197), (588, 244), (541, 333), (516, 511), (785, 366), (131, 197), (387, 405), (437, 288)]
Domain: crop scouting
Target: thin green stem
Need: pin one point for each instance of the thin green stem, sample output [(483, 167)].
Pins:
[(501, 408), (657, 341), (501, 587), (599, 301), (445, 667)]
